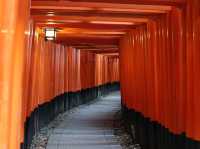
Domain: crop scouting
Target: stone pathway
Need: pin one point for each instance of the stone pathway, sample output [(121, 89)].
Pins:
[(89, 127)]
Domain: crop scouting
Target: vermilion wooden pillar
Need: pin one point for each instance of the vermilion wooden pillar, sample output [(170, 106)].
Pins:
[(153, 70), (13, 22), (193, 69)]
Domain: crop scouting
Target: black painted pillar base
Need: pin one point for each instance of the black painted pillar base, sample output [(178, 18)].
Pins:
[(152, 135)]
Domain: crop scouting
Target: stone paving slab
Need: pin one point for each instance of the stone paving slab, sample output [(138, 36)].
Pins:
[(84, 147), (84, 132), (89, 127)]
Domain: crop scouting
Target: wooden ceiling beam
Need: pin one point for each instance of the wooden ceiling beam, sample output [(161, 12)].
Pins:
[(103, 31), (88, 19), (85, 26), (87, 5), (112, 55), (95, 47), (145, 2), (106, 52), (143, 14), (87, 41), (60, 36)]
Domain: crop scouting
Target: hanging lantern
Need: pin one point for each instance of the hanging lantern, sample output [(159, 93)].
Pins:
[(50, 34)]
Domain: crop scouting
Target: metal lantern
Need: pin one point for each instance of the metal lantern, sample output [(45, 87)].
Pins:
[(50, 34)]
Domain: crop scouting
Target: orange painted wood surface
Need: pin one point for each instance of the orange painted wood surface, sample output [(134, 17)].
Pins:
[(34, 71), (56, 69), (13, 30), (159, 69), (159, 62)]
